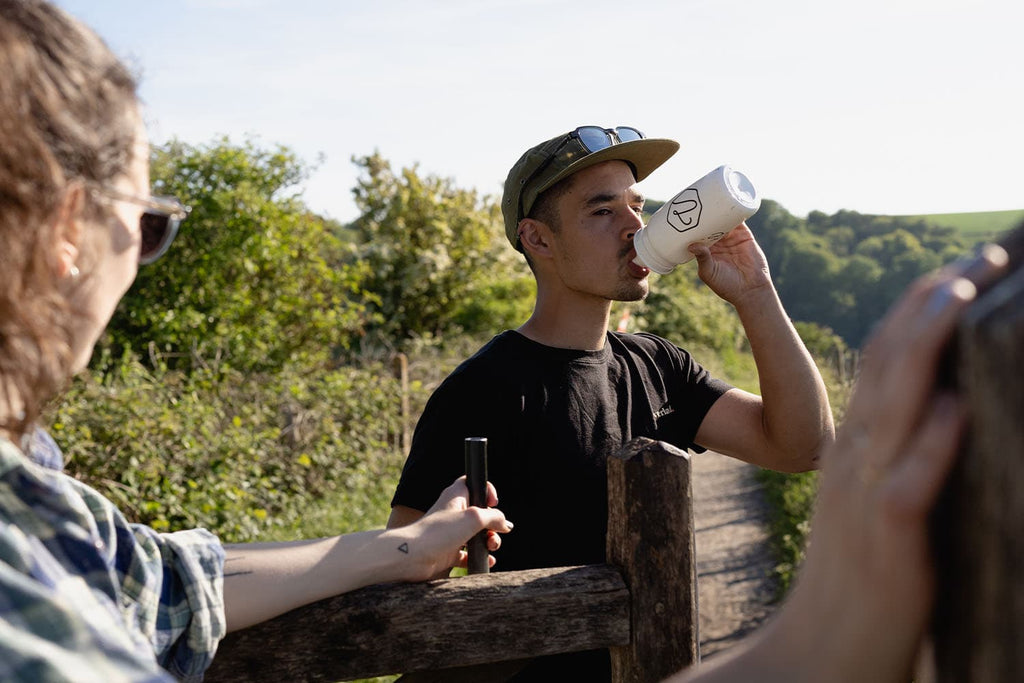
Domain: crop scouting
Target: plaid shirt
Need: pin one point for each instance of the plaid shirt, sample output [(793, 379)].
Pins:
[(86, 596)]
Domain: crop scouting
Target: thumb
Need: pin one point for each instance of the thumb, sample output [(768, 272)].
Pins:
[(495, 520), (705, 262), (477, 519), (700, 250)]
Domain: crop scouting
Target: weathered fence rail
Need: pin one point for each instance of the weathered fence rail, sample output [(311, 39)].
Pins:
[(387, 629), (978, 629), (642, 605)]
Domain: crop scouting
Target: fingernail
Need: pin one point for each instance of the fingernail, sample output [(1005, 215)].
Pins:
[(957, 290), (995, 254), (990, 259), (509, 525)]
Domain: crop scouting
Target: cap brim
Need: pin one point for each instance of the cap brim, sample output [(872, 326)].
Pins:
[(643, 155)]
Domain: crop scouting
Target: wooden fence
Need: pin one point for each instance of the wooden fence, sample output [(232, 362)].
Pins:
[(642, 604), (978, 529)]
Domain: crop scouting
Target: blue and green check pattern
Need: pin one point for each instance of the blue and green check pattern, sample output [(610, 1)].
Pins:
[(87, 596)]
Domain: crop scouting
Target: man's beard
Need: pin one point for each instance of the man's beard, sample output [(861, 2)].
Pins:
[(633, 291)]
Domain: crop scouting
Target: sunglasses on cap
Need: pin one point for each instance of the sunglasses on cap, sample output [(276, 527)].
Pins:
[(158, 224), (593, 139)]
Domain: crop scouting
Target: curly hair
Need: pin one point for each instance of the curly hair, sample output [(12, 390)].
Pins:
[(66, 116)]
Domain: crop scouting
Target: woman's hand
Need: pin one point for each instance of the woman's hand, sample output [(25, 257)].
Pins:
[(435, 542), (865, 592), (263, 580)]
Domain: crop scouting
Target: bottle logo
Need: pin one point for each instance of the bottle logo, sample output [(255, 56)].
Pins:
[(684, 213)]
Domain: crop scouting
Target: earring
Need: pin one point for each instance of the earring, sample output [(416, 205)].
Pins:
[(74, 272)]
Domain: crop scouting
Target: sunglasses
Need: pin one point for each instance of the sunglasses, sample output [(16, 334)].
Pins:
[(593, 139), (158, 225)]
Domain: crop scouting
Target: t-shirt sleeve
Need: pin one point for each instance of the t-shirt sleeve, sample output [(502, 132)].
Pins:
[(710, 391), (693, 387)]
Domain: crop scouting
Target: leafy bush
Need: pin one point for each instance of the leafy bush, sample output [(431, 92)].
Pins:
[(254, 280), (791, 496), (683, 309), (238, 454), (791, 501), (438, 261)]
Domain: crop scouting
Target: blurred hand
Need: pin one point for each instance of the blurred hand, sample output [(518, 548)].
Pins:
[(866, 592)]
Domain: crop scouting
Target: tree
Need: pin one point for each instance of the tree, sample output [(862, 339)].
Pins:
[(859, 284), (769, 225), (683, 309), (805, 277), (253, 279), (436, 255), (844, 270)]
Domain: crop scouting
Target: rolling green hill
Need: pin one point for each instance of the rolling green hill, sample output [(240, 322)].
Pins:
[(980, 226)]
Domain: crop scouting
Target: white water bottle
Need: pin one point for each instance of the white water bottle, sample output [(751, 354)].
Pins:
[(703, 212)]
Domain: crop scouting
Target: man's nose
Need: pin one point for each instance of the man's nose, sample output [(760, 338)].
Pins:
[(636, 222)]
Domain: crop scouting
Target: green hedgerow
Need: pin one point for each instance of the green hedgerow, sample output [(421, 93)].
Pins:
[(238, 454)]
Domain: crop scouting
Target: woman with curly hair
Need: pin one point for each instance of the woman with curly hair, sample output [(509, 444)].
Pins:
[(84, 594)]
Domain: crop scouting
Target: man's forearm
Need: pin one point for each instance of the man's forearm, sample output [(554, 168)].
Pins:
[(797, 418)]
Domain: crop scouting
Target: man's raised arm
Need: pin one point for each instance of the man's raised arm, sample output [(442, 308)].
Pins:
[(791, 421)]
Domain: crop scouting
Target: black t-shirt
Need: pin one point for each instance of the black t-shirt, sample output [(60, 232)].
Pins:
[(552, 417)]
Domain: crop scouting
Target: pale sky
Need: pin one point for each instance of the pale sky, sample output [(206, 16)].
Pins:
[(879, 106)]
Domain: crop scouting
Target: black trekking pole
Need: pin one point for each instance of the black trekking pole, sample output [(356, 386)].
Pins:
[(476, 481)]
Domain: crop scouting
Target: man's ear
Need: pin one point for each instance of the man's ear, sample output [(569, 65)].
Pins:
[(535, 236), (67, 230)]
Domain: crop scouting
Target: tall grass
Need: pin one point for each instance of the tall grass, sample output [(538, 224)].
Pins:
[(791, 497)]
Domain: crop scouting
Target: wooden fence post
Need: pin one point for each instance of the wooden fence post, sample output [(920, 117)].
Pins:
[(978, 528), (651, 540), (401, 371)]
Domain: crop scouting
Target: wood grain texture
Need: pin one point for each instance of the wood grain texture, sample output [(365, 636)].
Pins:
[(651, 539), (395, 628)]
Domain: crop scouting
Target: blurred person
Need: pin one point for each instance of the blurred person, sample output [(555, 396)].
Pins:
[(84, 594), (863, 598)]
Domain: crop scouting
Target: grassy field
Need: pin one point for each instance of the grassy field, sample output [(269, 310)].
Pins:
[(983, 226)]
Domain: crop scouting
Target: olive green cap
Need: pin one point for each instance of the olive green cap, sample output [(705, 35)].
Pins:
[(534, 173)]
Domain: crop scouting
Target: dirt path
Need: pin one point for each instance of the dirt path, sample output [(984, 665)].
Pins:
[(734, 562)]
